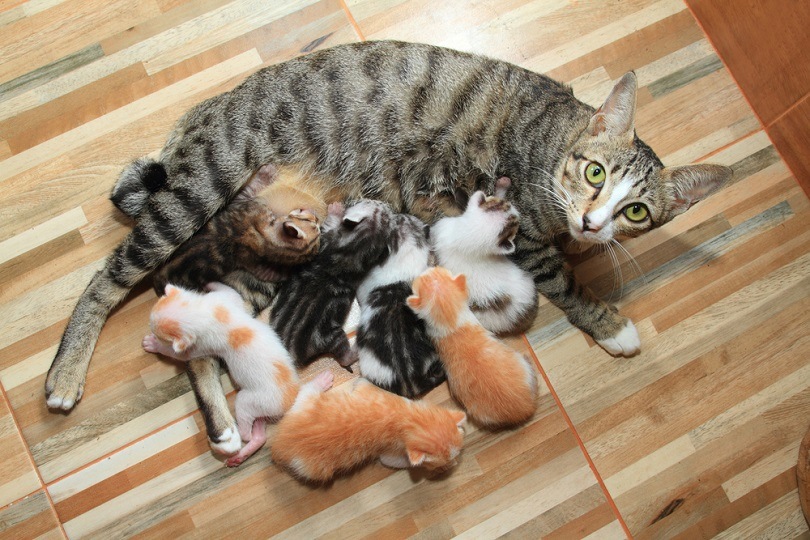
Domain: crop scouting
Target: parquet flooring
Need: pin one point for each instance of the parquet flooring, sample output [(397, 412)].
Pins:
[(696, 437)]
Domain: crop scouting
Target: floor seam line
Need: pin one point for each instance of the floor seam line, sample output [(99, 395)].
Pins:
[(580, 443), (42, 485), (352, 20)]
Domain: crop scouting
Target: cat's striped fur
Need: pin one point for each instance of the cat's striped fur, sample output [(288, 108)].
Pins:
[(311, 307), (393, 348), (420, 127)]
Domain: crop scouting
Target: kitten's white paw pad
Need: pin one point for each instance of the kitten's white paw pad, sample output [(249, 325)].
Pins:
[(229, 444), (625, 343)]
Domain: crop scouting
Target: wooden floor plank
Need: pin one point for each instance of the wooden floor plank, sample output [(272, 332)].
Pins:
[(695, 437)]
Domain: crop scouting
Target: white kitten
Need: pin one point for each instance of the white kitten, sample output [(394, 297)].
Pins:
[(477, 244), (187, 325)]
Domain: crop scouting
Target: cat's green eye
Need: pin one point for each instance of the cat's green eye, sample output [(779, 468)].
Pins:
[(636, 212), (595, 174)]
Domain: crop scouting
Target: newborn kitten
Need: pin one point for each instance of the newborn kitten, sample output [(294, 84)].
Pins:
[(324, 434), (393, 348), (477, 244), (186, 325), (495, 385), (311, 307), (245, 245)]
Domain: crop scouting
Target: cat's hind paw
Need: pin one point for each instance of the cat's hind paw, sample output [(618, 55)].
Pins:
[(228, 443), (625, 343)]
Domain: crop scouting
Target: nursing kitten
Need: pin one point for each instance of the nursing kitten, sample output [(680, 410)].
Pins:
[(478, 244), (245, 244), (392, 347), (311, 307), (246, 236), (187, 325), (328, 433), (420, 127), (494, 384)]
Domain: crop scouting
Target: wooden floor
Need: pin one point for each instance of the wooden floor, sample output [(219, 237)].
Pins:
[(696, 437)]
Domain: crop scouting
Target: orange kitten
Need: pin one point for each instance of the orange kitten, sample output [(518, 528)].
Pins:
[(324, 434), (496, 385)]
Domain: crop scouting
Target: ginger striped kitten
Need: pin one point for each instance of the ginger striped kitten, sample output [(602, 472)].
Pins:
[(417, 126), (186, 325), (329, 433), (495, 385)]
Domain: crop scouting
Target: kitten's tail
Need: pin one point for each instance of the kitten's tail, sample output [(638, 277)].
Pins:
[(138, 181)]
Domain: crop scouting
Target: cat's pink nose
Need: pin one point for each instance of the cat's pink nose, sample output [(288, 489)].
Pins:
[(587, 226)]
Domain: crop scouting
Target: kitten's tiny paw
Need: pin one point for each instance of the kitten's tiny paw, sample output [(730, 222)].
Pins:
[(336, 208), (229, 442), (235, 461), (151, 343), (625, 343)]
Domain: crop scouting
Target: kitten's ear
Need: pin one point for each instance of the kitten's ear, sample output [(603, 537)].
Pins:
[(458, 417), (414, 302), (416, 457), (617, 114), (460, 281), (693, 183), (170, 290), (181, 344)]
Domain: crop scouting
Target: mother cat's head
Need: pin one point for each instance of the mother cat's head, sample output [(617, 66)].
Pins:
[(612, 184)]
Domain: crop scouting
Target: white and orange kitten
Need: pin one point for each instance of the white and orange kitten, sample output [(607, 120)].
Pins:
[(187, 325), (496, 385), (327, 433), (478, 244)]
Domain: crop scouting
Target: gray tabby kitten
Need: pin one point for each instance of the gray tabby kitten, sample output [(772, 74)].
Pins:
[(417, 126), (393, 348), (311, 307)]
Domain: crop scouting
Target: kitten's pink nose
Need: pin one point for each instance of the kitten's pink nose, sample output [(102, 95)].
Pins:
[(587, 226)]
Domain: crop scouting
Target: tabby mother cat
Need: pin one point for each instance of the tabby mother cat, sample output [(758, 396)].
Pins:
[(417, 126)]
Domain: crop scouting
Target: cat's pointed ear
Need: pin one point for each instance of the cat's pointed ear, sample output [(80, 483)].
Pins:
[(692, 183), (416, 457), (458, 417), (617, 114), (414, 302)]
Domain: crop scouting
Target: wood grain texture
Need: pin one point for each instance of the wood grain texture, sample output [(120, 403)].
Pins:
[(762, 43), (696, 437)]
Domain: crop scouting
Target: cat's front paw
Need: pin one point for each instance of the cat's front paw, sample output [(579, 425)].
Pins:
[(625, 343), (228, 443), (64, 386)]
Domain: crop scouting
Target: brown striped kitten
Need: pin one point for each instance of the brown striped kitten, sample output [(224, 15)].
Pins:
[(421, 128), (244, 245)]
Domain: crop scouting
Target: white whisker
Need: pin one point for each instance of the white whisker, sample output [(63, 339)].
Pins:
[(617, 271), (636, 267)]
